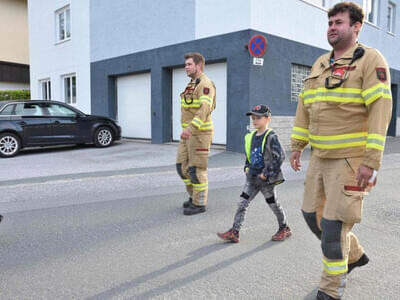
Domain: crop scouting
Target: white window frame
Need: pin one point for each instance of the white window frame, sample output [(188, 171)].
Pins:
[(324, 6), (66, 13), (70, 98), (374, 9), (45, 89), (391, 17)]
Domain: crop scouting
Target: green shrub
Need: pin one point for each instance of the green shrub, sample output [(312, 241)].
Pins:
[(15, 94)]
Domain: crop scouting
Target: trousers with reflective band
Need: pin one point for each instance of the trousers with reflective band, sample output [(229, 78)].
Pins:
[(193, 157)]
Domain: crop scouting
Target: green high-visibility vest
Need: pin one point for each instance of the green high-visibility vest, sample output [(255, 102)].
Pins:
[(247, 142)]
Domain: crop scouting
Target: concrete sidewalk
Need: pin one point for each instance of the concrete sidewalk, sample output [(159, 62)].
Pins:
[(125, 157)]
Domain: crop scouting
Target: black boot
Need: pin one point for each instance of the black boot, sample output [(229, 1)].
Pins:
[(359, 263), (322, 296), (1, 218), (188, 202), (193, 209)]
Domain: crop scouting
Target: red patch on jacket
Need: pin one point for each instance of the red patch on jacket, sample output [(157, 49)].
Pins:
[(381, 74), (339, 71), (206, 91)]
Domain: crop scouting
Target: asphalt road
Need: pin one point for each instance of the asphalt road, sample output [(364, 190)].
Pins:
[(107, 224)]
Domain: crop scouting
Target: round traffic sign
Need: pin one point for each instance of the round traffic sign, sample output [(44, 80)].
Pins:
[(257, 45)]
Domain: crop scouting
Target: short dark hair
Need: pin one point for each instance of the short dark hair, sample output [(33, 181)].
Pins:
[(197, 57), (356, 13)]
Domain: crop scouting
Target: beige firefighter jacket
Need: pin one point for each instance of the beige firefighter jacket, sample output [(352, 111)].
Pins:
[(350, 120), (197, 102)]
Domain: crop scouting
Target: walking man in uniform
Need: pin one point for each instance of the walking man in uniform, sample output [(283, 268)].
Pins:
[(197, 103), (343, 113)]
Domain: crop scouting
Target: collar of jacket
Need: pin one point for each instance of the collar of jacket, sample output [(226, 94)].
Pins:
[(200, 77), (345, 59)]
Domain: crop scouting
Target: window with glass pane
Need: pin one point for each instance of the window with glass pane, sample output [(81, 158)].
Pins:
[(46, 89), (371, 11), (73, 93), (70, 89), (63, 24), (8, 110), (67, 23), (32, 110), (322, 3), (60, 111), (391, 17)]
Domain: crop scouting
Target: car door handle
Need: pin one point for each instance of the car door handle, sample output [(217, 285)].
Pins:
[(22, 123), (57, 122)]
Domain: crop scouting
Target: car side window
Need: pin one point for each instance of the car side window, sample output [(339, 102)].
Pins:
[(8, 110), (29, 109), (57, 110)]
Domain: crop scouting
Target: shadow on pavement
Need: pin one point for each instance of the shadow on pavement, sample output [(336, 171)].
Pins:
[(312, 295), (177, 283)]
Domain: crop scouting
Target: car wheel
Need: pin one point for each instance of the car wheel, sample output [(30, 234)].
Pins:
[(10, 144), (103, 137)]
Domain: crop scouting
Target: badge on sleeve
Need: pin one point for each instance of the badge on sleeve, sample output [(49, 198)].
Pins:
[(206, 91), (381, 74)]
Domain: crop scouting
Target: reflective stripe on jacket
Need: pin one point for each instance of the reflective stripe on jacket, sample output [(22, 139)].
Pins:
[(350, 120)]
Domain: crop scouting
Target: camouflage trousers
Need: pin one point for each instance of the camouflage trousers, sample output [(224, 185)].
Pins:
[(252, 187)]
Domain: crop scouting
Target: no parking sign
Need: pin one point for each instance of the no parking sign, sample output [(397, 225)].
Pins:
[(257, 47)]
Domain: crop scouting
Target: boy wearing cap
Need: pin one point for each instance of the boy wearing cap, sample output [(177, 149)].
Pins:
[(264, 157)]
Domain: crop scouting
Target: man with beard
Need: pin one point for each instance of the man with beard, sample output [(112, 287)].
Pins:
[(343, 113), (197, 103)]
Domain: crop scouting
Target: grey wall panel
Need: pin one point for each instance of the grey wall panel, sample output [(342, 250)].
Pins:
[(247, 85)]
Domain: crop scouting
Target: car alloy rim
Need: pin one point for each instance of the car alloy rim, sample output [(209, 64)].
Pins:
[(8, 145), (104, 137)]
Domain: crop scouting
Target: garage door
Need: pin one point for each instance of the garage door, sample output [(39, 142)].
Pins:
[(134, 102), (217, 73)]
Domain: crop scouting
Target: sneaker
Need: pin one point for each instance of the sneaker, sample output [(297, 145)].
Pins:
[(282, 234), (231, 235), (187, 203), (359, 263), (322, 296), (193, 209)]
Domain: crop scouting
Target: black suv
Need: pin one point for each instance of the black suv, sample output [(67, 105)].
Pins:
[(32, 123)]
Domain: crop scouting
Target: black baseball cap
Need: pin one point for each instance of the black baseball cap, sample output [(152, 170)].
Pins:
[(260, 110)]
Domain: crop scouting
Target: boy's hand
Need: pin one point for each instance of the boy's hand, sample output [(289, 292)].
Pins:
[(295, 160), (262, 177), (246, 170)]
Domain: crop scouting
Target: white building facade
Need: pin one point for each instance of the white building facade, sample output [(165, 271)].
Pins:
[(124, 58), (59, 38)]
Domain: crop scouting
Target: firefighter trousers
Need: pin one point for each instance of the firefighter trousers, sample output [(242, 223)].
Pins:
[(331, 209), (191, 165)]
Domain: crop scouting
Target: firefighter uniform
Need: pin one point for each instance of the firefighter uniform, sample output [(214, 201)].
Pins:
[(197, 103), (343, 113)]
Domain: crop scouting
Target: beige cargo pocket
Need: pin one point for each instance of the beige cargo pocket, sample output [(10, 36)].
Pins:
[(201, 149), (350, 208)]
